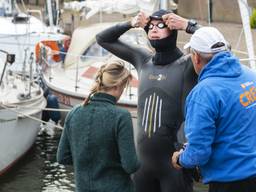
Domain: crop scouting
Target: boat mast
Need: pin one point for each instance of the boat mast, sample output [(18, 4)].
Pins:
[(164, 4), (209, 12), (9, 6), (244, 11), (50, 13)]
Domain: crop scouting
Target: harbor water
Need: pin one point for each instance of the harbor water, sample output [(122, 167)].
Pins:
[(38, 170)]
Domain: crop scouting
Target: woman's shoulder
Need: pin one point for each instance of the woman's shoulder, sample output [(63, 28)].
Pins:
[(74, 110), (122, 112)]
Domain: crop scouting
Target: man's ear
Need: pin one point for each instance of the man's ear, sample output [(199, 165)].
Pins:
[(197, 58), (198, 61)]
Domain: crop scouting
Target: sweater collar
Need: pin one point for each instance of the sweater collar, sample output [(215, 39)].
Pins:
[(104, 97)]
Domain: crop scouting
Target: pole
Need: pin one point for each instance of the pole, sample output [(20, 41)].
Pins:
[(9, 7), (209, 11), (2, 75), (30, 73), (244, 11), (50, 15), (164, 4), (5, 64)]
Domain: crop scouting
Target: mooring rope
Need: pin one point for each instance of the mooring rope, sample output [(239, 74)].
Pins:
[(11, 108), (45, 109), (29, 116)]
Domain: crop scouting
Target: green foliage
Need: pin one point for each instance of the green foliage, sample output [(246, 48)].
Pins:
[(253, 19)]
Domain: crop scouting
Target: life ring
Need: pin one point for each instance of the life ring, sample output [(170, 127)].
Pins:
[(53, 45)]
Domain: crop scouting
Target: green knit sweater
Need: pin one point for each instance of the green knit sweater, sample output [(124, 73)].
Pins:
[(98, 141)]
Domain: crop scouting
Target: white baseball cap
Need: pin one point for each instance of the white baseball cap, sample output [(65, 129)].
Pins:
[(207, 40)]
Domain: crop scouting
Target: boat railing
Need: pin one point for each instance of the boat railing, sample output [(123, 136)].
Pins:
[(10, 58), (80, 62), (31, 59), (38, 12), (79, 66), (102, 58)]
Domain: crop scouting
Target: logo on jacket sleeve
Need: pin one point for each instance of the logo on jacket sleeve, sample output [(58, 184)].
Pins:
[(248, 97)]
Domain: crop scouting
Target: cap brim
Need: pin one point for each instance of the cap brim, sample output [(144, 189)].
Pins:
[(187, 45)]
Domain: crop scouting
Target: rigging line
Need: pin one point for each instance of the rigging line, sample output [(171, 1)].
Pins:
[(24, 6), (239, 39), (248, 59), (29, 116), (45, 109), (232, 50), (77, 55), (56, 64), (17, 35), (6, 120), (54, 52)]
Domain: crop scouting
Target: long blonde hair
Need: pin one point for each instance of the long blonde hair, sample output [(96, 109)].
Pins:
[(108, 76)]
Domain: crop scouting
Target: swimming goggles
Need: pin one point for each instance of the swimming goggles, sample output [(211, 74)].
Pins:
[(160, 25)]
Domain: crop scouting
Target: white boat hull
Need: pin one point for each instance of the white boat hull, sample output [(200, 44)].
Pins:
[(67, 101), (19, 126), (17, 135)]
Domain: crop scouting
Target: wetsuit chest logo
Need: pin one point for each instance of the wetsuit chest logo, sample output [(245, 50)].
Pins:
[(152, 114), (158, 77)]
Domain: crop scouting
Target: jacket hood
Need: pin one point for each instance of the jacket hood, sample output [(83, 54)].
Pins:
[(223, 64)]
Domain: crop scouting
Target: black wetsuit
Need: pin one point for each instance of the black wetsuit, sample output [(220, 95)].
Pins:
[(165, 80)]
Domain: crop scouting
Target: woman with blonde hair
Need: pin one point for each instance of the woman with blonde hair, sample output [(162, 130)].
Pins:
[(98, 136)]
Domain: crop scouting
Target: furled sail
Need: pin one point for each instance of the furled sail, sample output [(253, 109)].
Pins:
[(110, 6)]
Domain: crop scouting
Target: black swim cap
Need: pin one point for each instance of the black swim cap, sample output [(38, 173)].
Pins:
[(156, 16)]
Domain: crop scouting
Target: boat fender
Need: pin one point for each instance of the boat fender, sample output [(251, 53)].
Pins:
[(52, 102)]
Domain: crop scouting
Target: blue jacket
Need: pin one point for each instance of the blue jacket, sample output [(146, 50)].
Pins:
[(221, 121)]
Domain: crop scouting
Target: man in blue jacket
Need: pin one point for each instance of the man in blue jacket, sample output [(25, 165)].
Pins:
[(220, 115)]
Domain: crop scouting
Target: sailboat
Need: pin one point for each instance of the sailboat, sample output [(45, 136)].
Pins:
[(21, 104), (72, 80), (21, 97)]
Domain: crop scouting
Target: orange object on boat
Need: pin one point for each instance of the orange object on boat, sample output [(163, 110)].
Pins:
[(53, 45)]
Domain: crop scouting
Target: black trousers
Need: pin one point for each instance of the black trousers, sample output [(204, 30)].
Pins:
[(246, 185), (159, 179)]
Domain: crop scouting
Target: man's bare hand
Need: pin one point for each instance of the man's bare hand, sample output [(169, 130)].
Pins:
[(140, 20), (174, 21), (175, 156)]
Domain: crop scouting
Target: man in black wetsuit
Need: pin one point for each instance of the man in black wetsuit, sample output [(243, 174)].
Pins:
[(166, 78)]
